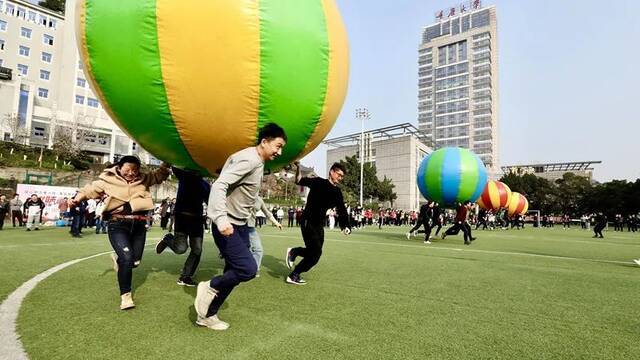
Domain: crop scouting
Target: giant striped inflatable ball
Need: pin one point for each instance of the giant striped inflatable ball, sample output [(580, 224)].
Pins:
[(495, 196), (451, 175), (192, 81), (519, 205)]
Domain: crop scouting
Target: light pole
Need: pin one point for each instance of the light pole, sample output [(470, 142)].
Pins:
[(362, 114)]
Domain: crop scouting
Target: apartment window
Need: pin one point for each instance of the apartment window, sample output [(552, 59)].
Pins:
[(79, 99), (42, 20), (480, 19), (23, 69), (1, 44), (3, 25), (46, 57), (455, 26), (10, 9), (24, 51), (92, 102), (465, 23), (31, 16), (45, 75), (25, 32), (80, 65), (21, 13), (43, 93), (47, 39), (446, 28), (81, 82), (462, 51), (38, 131), (52, 23)]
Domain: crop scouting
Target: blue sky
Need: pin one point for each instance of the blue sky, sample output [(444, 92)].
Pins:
[(558, 100)]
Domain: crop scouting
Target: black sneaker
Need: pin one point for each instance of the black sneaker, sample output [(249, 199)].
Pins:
[(186, 281), (295, 279), (161, 245)]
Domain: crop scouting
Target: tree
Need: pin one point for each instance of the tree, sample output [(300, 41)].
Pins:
[(372, 186), (55, 5), (18, 131)]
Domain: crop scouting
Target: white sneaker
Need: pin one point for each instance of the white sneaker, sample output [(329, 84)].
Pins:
[(114, 258), (126, 301), (637, 261), (288, 260), (212, 322), (408, 235), (204, 297), (427, 242)]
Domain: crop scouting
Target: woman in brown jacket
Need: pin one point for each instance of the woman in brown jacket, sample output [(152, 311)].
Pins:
[(126, 205)]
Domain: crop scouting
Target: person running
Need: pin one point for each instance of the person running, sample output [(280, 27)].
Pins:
[(324, 194), (461, 223), (126, 205), (424, 219), (231, 202), (193, 191), (601, 223)]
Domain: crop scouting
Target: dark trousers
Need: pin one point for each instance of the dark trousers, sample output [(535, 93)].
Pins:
[(2, 216), (290, 221), (127, 239), (313, 236), (163, 221), (189, 231), (239, 264), (16, 214), (598, 229), (76, 224), (455, 229)]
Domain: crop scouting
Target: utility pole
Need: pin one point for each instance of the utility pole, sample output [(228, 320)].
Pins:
[(362, 114)]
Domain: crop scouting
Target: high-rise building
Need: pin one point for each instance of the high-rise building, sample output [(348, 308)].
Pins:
[(458, 81), (43, 89)]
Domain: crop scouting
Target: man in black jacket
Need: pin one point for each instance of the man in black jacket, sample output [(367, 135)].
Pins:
[(324, 194), (193, 192)]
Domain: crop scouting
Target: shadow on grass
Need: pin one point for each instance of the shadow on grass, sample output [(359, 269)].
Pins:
[(276, 267)]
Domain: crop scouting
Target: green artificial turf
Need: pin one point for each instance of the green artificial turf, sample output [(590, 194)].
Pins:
[(535, 294)]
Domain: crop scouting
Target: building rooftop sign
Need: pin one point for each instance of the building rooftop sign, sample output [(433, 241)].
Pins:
[(458, 10)]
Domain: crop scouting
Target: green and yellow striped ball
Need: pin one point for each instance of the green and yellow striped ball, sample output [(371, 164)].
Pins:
[(192, 81)]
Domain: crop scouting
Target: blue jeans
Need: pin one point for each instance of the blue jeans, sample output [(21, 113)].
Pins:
[(101, 225), (76, 224), (256, 246), (127, 239), (239, 265)]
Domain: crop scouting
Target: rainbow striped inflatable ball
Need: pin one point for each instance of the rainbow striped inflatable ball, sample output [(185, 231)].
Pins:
[(451, 175), (192, 81), (495, 196), (519, 205)]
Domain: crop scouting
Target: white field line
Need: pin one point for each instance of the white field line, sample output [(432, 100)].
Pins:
[(10, 343), (436, 247)]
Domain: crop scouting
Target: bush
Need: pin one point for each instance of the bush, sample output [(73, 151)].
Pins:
[(67, 167)]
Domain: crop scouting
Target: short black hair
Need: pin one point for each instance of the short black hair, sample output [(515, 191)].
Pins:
[(130, 159), (271, 131), (338, 166)]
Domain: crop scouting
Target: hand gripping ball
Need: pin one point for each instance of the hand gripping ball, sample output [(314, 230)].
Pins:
[(451, 175), (518, 204), (192, 81), (495, 196)]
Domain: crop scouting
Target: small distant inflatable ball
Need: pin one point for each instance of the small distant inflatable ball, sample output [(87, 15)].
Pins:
[(192, 81), (451, 175), (519, 205), (495, 196)]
